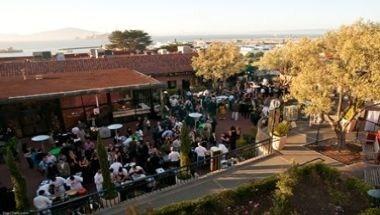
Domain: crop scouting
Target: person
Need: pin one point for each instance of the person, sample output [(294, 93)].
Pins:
[(222, 111), (201, 153), (75, 182), (115, 166), (122, 175), (233, 137), (174, 157), (59, 184), (47, 188), (235, 111), (223, 148), (98, 179), (136, 171), (42, 202), (63, 167)]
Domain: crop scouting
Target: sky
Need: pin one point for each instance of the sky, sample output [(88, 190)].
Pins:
[(183, 17)]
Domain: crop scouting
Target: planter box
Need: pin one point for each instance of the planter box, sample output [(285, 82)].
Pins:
[(108, 203), (278, 143)]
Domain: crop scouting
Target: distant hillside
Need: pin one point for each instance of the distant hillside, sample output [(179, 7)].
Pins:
[(59, 34)]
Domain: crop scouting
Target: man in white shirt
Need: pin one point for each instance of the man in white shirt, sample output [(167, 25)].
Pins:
[(41, 201), (75, 182), (45, 188), (98, 179), (201, 153), (136, 171), (59, 184), (223, 148), (115, 166), (174, 157)]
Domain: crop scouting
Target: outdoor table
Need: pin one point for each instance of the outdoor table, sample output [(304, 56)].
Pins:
[(375, 194), (42, 139), (55, 151), (115, 127), (196, 116)]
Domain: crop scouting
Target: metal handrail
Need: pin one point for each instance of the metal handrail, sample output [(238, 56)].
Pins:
[(315, 159)]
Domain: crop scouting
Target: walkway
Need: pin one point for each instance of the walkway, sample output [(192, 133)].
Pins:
[(255, 169)]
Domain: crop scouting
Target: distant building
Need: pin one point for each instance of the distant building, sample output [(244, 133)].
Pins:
[(162, 51), (185, 49), (37, 96)]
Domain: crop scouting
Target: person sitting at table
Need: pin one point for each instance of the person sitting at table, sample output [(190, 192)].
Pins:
[(98, 179), (47, 188), (51, 158), (122, 175), (115, 166), (41, 201), (75, 183), (59, 184), (136, 171), (63, 167)]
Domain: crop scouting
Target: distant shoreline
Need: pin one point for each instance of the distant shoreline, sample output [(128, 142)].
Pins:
[(29, 47)]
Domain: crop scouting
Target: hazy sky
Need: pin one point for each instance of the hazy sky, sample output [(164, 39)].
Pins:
[(170, 17)]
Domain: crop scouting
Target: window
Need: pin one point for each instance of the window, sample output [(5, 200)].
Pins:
[(172, 84)]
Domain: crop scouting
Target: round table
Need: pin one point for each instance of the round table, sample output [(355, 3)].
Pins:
[(42, 139), (196, 116), (375, 194), (115, 126)]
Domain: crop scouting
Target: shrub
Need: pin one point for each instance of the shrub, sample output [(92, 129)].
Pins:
[(241, 142), (371, 211), (109, 188), (282, 129), (18, 180)]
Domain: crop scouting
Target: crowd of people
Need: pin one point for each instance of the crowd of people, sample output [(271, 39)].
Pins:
[(148, 147)]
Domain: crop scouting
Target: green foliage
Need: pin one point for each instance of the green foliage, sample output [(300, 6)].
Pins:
[(18, 181), (338, 197), (371, 211), (131, 40), (109, 188), (218, 62), (217, 203), (241, 142), (282, 129), (359, 185), (185, 145)]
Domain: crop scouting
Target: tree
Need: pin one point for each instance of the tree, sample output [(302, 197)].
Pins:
[(185, 145), (285, 59), (344, 62), (109, 188), (218, 62), (184, 152), (130, 40), (18, 180)]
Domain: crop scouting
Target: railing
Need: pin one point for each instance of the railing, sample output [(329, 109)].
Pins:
[(175, 176), (312, 160)]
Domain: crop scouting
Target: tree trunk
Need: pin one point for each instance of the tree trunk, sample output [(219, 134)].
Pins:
[(341, 136), (340, 101)]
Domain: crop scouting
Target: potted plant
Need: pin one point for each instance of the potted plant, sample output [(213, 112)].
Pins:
[(280, 134), (109, 196), (18, 180), (185, 148)]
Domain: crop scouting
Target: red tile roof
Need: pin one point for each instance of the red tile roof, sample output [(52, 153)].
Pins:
[(72, 83), (147, 64)]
